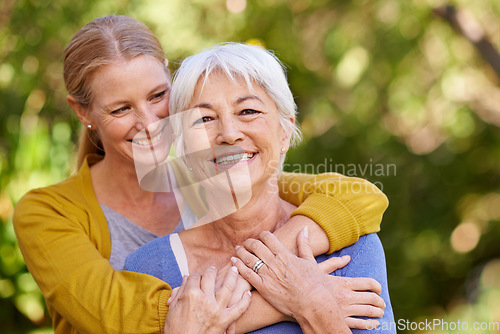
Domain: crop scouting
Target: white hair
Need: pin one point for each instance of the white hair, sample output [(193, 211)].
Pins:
[(237, 60)]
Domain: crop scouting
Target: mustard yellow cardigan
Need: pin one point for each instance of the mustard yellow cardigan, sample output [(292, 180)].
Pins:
[(64, 238)]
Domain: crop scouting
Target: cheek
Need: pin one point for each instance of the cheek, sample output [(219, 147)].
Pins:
[(116, 127), (195, 141), (272, 133), (162, 109)]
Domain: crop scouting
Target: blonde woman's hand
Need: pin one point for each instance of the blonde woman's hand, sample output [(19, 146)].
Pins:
[(241, 287), (197, 308)]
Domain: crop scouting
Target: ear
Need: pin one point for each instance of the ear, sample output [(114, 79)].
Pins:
[(80, 111), (287, 134)]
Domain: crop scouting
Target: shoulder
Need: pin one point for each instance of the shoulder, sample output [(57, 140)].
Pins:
[(76, 188), (367, 258), (71, 202), (367, 245), (61, 197)]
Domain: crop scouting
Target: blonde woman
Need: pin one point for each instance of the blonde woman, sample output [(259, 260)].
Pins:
[(75, 235)]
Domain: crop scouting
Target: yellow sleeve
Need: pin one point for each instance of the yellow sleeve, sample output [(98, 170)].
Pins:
[(62, 250), (345, 207)]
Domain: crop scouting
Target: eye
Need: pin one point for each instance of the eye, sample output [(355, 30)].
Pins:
[(249, 112), (159, 95), (203, 119), (120, 111)]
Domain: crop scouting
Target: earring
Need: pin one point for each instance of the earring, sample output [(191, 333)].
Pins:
[(89, 126), (282, 149)]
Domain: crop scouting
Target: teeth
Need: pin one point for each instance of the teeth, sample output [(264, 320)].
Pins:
[(231, 159), (145, 142)]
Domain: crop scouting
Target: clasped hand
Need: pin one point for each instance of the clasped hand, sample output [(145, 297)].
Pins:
[(197, 308), (296, 285)]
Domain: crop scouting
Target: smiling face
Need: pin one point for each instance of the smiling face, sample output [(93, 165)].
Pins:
[(130, 96), (232, 127)]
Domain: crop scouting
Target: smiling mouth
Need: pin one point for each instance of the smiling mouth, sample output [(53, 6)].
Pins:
[(147, 141), (233, 159)]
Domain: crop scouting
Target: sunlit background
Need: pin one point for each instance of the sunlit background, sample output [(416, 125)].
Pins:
[(378, 83)]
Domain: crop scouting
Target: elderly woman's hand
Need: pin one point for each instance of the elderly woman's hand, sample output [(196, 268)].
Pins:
[(357, 297), (197, 308), (294, 285)]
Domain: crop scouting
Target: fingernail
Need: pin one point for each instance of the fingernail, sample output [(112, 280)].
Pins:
[(345, 257), (169, 299), (233, 268), (249, 293), (306, 231), (233, 259), (237, 246)]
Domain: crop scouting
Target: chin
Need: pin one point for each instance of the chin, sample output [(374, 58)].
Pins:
[(149, 159), (228, 192), (236, 179)]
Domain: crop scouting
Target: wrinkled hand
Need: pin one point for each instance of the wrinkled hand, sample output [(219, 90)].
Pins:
[(357, 297), (241, 287), (287, 281), (197, 308)]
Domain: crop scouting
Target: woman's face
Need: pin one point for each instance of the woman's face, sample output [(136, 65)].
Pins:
[(130, 97), (230, 127)]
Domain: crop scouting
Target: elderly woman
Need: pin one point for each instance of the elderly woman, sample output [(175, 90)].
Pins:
[(75, 235), (237, 117)]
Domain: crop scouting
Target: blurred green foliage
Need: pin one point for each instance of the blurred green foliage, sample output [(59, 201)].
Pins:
[(386, 91)]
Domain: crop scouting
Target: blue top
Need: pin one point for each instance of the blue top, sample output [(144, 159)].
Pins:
[(156, 258)]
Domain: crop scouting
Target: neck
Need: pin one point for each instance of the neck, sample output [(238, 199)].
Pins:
[(116, 186), (264, 211)]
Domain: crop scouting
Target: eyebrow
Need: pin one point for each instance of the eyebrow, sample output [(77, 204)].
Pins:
[(238, 101), (203, 105), (112, 105), (248, 97)]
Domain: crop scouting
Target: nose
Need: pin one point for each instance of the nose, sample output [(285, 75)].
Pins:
[(146, 118), (229, 131)]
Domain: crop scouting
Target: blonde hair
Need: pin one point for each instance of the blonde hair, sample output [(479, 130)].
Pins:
[(97, 44)]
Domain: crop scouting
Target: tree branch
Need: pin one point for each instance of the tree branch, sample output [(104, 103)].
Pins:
[(467, 26)]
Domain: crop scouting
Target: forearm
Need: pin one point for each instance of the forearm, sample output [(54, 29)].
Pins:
[(287, 234), (259, 315), (123, 303), (80, 287), (323, 320), (294, 286), (345, 207)]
